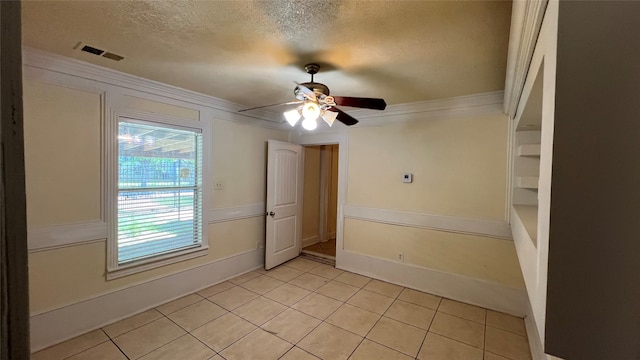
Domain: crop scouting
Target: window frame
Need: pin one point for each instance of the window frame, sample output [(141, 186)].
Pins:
[(114, 269)]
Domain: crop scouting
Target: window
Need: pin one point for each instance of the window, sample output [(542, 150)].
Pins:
[(158, 206)]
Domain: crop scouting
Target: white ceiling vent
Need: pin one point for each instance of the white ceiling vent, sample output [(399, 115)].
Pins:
[(99, 52)]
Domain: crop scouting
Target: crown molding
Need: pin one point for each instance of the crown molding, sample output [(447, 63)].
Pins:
[(526, 20), (461, 106), (222, 109), (433, 106), (489, 103)]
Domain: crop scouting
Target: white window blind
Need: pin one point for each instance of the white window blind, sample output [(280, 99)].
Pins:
[(159, 206)]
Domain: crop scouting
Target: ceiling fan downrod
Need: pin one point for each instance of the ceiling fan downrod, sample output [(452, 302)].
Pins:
[(312, 69)]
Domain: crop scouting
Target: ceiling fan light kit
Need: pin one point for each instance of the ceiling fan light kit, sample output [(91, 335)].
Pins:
[(310, 110), (292, 116), (317, 103), (329, 117), (309, 124)]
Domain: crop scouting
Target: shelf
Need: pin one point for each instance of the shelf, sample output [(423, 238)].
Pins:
[(530, 114), (529, 150), (527, 182), (528, 215)]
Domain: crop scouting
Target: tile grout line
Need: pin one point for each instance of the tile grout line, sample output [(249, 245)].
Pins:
[(329, 315), (429, 327), (186, 333), (286, 307), (377, 321), (260, 327), (135, 328), (291, 307), (227, 312), (121, 351), (89, 348), (484, 338)]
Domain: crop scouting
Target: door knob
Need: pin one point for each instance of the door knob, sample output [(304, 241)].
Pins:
[(271, 213)]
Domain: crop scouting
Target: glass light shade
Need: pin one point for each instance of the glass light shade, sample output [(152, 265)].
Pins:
[(292, 116), (309, 124), (310, 110), (329, 117)]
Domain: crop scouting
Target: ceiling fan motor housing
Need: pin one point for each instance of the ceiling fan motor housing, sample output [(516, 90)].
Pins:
[(318, 88)]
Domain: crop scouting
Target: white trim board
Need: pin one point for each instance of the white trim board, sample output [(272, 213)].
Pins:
[(472, 102), (48, 67), (535, 346), (54, 326), (526, 21), (442, 109), (480, 227), (342, 139), (236, 213), (34, 59), (57, 236), (469, 290)]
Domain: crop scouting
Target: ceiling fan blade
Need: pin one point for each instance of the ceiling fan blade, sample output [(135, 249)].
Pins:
[(344, 118), (264, 106), (366, 103), (308, 92)]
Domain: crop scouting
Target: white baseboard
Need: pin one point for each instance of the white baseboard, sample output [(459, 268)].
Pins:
[(535, 343), (478, 292), (310, 240), (60, 324)]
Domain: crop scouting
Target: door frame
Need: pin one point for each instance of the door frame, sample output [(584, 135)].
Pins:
[(341, 138)]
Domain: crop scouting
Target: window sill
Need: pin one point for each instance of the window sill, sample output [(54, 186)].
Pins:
[(156, 262)]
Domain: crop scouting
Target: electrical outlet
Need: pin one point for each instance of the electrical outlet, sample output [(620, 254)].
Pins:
[(401, 257), (217, 185)]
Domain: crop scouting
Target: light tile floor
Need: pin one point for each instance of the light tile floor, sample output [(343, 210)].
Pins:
[(304, 310)]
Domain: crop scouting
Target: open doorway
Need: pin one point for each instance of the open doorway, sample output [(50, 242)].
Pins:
[(320, 204)]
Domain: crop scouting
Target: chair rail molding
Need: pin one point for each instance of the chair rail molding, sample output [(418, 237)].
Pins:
[(472, 226)]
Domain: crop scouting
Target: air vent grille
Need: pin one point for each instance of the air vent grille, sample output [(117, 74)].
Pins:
[(99, 52), (92, 50), (112, 56)]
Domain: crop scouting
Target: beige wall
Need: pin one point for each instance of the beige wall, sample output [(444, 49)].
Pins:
[(311, 198), (66, 275), (459, 169), (62, 154), (469, 255), (62, 146), (458, 166), (239, 161)]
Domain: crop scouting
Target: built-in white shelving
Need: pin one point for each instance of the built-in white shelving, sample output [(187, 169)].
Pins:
[(526, 182), (526, 161), (528, 215), (529, 150)]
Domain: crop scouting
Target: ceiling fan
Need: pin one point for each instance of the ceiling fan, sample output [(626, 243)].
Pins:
[(314, 102)]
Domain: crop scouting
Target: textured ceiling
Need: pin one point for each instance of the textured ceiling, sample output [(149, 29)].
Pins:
[(249, 52)]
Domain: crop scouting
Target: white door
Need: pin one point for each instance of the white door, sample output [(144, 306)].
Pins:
[(285, 171)]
